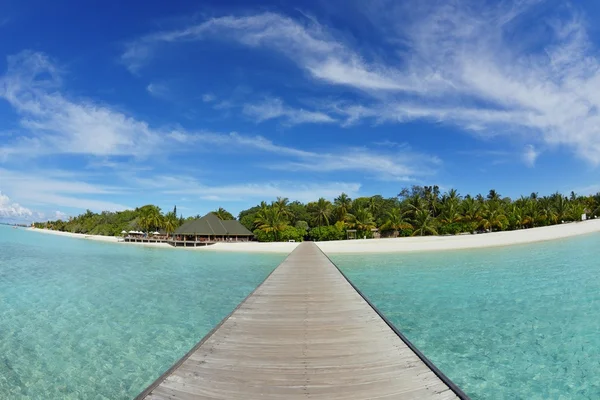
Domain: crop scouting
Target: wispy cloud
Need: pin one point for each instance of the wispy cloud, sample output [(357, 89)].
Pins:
[(400, 163), (456, 63), (530, 155), (159, 90), (313, 47), (275, 109), (208, 97), (190, 187), (40, 188), (55, 124)]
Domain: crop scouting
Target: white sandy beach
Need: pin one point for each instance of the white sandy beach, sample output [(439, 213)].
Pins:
[(398, 245)]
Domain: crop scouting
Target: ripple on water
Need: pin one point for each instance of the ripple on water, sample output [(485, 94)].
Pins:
[(520, 322), (89, 320)]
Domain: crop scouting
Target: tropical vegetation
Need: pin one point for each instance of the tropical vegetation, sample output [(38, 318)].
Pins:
[(415, 211)]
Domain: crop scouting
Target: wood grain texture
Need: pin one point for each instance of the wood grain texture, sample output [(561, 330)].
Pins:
[(304, 333)]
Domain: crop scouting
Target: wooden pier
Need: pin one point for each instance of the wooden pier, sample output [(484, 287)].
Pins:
[(305, 332)]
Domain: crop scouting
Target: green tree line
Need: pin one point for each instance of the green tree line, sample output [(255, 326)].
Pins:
[(415, 211)]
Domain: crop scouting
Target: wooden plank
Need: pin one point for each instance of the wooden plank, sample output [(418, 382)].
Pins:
[(305, 332)]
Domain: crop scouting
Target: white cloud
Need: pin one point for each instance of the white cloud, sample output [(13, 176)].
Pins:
[(159, 90), (401, 165), (13, 211), (309, 45), (60, 215), (398, 163), (57, 125), (477, 65), (248, 191), (587, 190), (275, 108), (208, 97), (44, 188), (530, 155)]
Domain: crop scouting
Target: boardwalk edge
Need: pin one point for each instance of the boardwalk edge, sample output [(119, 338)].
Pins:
[(458, 391)]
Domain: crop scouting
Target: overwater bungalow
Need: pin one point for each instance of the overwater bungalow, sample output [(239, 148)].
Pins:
[(208, 230)]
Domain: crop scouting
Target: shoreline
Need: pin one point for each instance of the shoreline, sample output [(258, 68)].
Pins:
[(391, 245)]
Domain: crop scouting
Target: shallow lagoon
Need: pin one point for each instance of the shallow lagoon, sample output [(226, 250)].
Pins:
[(519, 322), (82, 319)]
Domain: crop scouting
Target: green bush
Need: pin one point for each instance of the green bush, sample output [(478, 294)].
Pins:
[(289, 233), (326, 233)]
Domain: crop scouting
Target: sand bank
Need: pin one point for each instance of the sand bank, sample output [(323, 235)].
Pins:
[(436, 243), (97, 238), (398, 245), (244, 247)]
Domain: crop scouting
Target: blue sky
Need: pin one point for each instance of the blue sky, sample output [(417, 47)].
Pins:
[(112, 105)]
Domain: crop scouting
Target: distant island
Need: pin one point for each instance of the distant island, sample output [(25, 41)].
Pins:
[(415, 211)]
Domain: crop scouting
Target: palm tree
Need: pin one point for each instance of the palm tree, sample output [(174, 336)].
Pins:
[(320, 211), (471, 212), (493, 195), (493, 217), (271, 220), (170, 223), (375, 204), (452, 196), (532, 214), (561, 207), (151, 218), (450, 214), (424, 223), (394, 220), (576, 211), (342, 204), (414, 204), (515, 217), (362, 220), (223, 214), (432, 197), (282, 203)]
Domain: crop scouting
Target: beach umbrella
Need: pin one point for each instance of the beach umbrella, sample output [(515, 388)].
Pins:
[(123, 231), (132, 231), (156, 233)]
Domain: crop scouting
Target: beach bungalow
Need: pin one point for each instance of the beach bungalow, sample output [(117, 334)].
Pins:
[(210, 229)]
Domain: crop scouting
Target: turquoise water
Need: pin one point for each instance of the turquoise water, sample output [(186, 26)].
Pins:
[(520, 322), (90, 320)]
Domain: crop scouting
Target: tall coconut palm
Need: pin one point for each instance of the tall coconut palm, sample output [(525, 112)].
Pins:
[(283, 205), (375, 204), (493, 217), (271, 220), (320, 211), (394, 220), (342, 205), (170, 223), (532, 214), (561, 207), (432, 198), (151, 218), (223, 214), (452, 196), (424, 223), (470, 210), (493, 195), (576, 211), (362, 220), (515, 217), (415, 203), (449, 212)]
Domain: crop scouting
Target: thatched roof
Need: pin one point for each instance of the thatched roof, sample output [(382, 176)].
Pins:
[(210, 225)]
